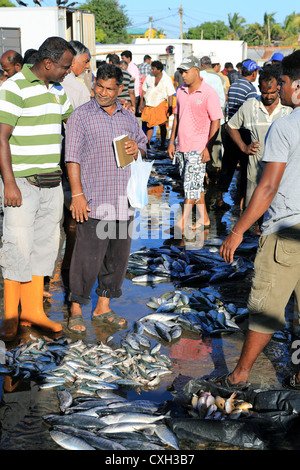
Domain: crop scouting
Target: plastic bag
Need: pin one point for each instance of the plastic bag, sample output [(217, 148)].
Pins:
[(276, 412), (137, 191)]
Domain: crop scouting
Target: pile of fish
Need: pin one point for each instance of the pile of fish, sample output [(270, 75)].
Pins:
[(207, 406), (187, 268), (87, 368), (200, 312), (34, 358), (109, 422)]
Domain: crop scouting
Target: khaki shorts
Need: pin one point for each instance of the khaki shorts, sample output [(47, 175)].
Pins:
[(276, 277), (217, 151)]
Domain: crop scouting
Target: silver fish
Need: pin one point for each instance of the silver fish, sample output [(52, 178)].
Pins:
[(65, 400), (166, 436), (67, 441), (127, 427), (96, 441), (146, 278), (131, 417)]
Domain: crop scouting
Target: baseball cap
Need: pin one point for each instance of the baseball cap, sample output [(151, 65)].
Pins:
[(277, 56), (189, 62), (251, 65)]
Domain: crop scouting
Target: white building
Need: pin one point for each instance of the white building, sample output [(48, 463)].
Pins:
[(224, 51), (27, 28)]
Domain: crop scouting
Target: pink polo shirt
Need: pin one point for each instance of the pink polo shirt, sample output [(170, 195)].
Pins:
[(195, 111), (134, 72)]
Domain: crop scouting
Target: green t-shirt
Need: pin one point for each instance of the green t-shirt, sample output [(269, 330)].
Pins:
[(36, 113)]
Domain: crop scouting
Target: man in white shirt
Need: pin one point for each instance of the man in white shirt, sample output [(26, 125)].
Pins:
[(215, 80), (157, 89), (257, 115), (77, 91)]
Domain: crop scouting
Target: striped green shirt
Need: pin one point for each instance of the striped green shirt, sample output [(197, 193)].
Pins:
[(35, 112)]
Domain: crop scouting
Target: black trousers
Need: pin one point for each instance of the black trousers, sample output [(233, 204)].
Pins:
[(101, 252), (231, 157)]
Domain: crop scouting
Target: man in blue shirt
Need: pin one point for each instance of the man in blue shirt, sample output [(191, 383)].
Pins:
[(238, 93)]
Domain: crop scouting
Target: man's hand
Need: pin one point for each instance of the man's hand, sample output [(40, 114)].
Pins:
[(131, 148), (12, 195), (170, 111), (205, 156), (125, 104), (79, 208), (252, 148), (229, 245), (171, 150)]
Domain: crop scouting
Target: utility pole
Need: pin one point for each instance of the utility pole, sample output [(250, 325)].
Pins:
[(150, 27), (180, 11)]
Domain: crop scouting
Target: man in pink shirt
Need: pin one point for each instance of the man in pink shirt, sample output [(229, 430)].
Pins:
[(196, 123)]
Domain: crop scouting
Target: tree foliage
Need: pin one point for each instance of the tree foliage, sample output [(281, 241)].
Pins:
[(209, 30), (236, 23), (111, 21), (6, 3), (255, 34)]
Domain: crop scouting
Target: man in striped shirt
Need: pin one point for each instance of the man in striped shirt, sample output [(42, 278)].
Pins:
[(127, 93), (240, 91), (33, 105), (99, 198), (243, 88)]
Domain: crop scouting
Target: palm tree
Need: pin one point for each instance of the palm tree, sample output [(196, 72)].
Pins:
[(291, 27), (269, 22), (253, 34), (288, 22), (236, 23)]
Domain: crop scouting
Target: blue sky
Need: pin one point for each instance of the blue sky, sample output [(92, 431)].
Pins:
[(165, 13)]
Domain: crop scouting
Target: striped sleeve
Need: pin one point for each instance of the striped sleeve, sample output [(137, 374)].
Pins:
[(11, 103)]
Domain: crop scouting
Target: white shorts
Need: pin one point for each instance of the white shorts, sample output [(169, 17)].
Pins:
[(192, 172), (31, 233)]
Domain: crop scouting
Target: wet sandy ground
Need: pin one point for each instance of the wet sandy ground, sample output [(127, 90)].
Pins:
[(192, 357)]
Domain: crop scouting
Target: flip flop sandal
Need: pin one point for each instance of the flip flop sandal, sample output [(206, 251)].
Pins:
[(110, 318), (224, 381), (291, 382), (76, 320)]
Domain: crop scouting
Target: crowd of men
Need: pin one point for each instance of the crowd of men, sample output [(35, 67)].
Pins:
[(72, 185)]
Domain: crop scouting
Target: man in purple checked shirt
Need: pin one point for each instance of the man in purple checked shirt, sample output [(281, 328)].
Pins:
[(99, 198)]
